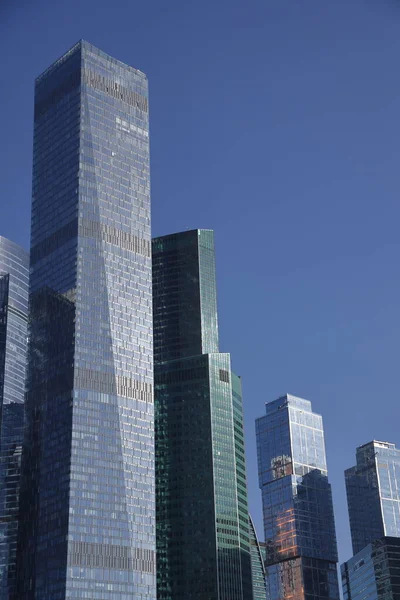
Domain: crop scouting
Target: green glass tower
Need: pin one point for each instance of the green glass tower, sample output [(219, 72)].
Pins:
[(203, 544)]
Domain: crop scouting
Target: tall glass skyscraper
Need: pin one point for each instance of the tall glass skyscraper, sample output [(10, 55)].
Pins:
[(373, 493), (203, 547), (301, 553), (88, 505), (14, 275)]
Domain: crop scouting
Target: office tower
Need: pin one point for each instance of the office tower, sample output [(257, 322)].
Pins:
[(373, 493), (374, 572), (14, 275), (203, 548), (258, 557), (88, 505), (299, 526)]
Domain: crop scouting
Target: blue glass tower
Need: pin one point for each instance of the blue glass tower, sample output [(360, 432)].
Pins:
[(373, 493), (203, 546), (301, 553), (14, 274), (87, 499)]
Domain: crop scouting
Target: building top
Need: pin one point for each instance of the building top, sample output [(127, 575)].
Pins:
[(378, 444), (18, 249), (373, 495), (171, 237), (83, 44), (14, 261), (288, 400), (184, 295)]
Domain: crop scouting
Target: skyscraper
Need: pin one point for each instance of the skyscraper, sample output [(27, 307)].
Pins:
[(301, 553), (203, 547), (258, 557), (373, 493), (374, 572), (14, 275), (88, 507)]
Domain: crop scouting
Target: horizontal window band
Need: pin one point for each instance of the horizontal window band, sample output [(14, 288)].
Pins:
[(108, 383), (116, 90), (111, 235), (108, 556), (90, 229), (103, 84)]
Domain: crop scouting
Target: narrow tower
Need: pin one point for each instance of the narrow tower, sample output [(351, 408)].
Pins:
[(14, 274), (203, 546), (301, 553), (87, 500)]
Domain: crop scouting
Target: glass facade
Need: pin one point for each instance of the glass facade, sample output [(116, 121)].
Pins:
[(374, 572), (373, 493), (87, 497), (301, 552), (14, 275), (203, 547), (258, 557)]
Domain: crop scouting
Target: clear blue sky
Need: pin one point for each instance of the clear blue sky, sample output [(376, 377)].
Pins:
[(276, 123)]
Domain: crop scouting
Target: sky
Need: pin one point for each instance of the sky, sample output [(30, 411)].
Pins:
[(275, 123)]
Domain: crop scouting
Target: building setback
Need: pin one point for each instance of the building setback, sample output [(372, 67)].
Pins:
[(258, 557), (14, 276), (374, 572), (87, 495), (373, 493), (301, 553), (203, 546)]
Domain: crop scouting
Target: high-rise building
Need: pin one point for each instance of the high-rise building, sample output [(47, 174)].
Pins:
[(373, 493), (14, 276), (258, 556), (203, 547), (374, 572), (87, 498), (301, 553)]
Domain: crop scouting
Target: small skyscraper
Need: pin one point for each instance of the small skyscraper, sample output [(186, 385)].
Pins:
[(374, 572), (373, 493), (87, 494), (373, 499), (203, 546), (301, 552), (14, 276)]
